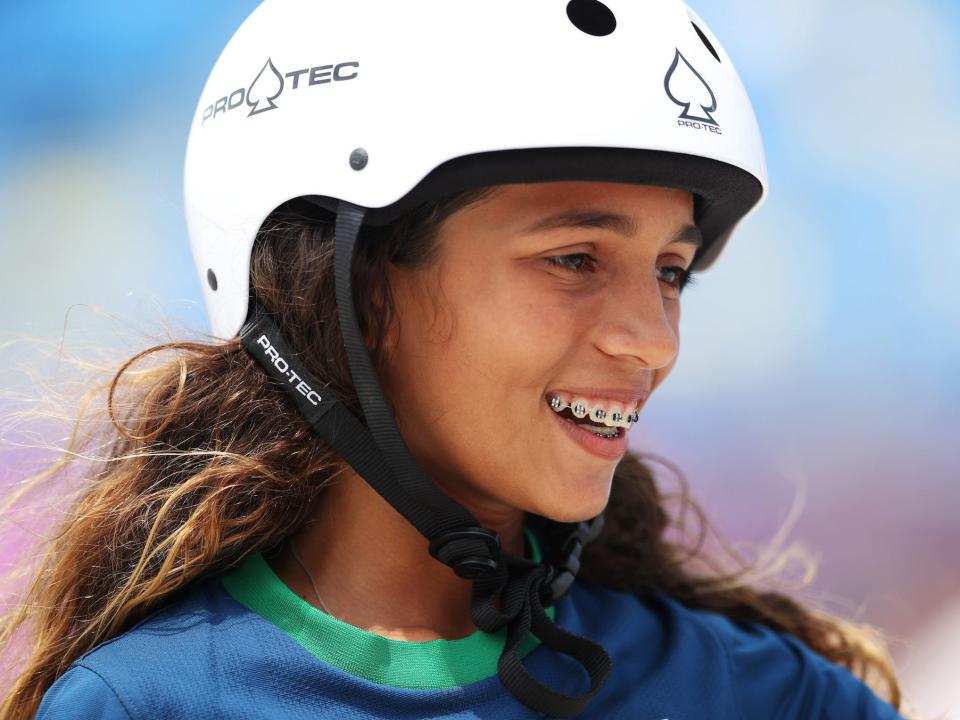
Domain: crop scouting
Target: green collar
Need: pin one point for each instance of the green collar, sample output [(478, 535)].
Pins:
[(399, 663)]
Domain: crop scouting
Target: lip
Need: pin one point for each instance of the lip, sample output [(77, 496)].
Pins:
[(606, 449), (628, 397)]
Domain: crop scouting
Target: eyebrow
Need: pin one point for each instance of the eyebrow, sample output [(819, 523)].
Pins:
[(620, 224)]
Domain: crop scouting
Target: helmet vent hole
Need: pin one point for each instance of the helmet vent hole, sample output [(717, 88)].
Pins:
[(591, 17), (212, 279), (706, 41)]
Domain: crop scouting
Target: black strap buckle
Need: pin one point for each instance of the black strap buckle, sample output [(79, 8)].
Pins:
[(471, 565)]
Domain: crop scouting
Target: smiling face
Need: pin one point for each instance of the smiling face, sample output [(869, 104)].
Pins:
[(567, 290)]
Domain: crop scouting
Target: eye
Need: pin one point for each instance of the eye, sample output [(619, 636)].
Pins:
[(582, 263), (578, 263), (680, 278)]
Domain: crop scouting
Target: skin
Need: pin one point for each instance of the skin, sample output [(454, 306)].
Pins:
[(479, 338)]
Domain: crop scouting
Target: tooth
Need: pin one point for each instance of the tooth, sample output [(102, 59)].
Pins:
[(614, 416), (611, 415)]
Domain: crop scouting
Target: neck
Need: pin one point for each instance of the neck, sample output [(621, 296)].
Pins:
[(373, 568)]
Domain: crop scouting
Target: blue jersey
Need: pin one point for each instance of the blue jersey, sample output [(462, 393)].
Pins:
[(244, 645)]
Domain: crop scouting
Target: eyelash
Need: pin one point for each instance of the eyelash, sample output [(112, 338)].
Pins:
[(687, 277)]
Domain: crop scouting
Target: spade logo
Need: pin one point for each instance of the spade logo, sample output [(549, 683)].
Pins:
[(265, 88), (687, 88)]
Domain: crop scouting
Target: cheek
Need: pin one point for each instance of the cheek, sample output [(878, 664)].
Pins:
[(516, 336), (522, 326), (468, 378)]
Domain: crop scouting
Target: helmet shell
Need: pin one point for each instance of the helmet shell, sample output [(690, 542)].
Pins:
[(304, 84)]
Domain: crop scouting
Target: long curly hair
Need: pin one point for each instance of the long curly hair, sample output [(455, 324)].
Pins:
[(189, 460)]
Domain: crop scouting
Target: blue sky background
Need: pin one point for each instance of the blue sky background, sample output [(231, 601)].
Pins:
[(819, 357)]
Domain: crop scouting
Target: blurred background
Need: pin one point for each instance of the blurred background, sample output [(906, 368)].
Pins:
[(818, 373)]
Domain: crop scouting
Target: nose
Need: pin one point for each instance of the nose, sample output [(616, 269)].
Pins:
[(638, 322)]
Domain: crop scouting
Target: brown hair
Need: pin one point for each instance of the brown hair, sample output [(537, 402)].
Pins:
[(203, 462)]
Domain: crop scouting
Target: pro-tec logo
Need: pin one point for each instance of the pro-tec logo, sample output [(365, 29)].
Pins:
[(262, 93), (687, 88), (271, 354)]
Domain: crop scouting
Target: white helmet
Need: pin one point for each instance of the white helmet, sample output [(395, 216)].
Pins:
[(363, 100), (369, 108)]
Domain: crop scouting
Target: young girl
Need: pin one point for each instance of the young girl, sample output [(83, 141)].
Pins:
[(443, 247)]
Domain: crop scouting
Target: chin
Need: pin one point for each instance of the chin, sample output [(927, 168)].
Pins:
[(568, 509)]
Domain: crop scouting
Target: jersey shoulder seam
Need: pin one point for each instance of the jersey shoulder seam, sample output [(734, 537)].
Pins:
[(111, 688)]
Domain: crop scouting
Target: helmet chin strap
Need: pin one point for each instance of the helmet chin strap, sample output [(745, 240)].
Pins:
[(456, 538)]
